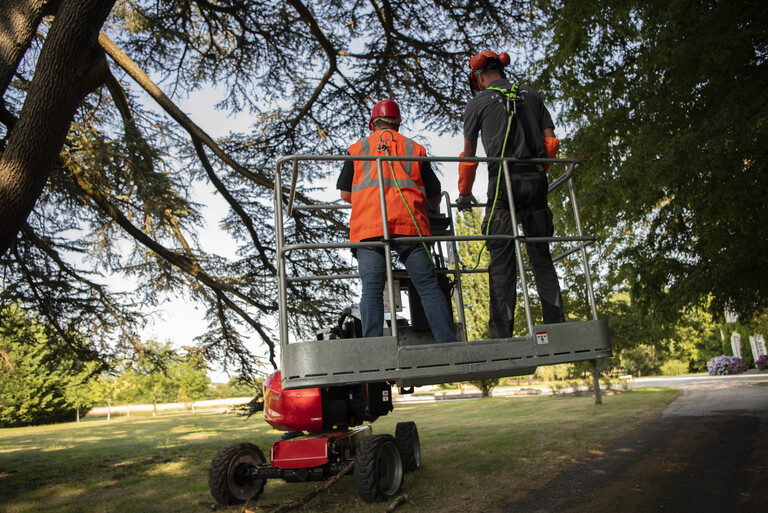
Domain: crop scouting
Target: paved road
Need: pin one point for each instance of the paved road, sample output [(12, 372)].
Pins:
[(708, 453), (714, 395)]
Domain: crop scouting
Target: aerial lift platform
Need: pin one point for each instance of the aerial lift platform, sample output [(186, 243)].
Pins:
[(329, 387), (407, 355)]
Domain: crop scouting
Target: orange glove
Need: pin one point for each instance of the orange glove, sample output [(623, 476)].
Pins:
[(467, 172), (552, 144)]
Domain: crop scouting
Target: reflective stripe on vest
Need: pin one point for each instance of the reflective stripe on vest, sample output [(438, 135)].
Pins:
[(365, 222), (369, 179)]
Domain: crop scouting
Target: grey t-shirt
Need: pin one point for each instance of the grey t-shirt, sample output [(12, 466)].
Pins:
[(486, 115)]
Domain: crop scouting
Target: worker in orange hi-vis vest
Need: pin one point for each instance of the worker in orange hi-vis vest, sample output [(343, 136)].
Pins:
[(410, 190)]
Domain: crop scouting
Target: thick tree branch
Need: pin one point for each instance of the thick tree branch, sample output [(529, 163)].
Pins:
[(329, 49), (119, 97), (266, 260), (183, 263), (18, 23), (121, 100), (253, 323), (7, 118), (204, 4), (61, 81), (145, 82)]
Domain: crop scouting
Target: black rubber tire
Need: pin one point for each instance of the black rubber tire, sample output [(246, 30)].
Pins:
[(226, 477), (378, 468), (407, 440)]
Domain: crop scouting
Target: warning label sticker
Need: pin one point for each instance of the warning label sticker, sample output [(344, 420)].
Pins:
[(541, 337)]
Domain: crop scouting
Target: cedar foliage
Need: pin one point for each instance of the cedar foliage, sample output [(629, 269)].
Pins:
[(119, 195), (666, 104)]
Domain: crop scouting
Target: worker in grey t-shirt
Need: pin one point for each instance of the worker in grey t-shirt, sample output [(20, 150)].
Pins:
[(529, 135)]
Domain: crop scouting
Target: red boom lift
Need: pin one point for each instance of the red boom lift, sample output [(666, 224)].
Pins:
[(330, 387)]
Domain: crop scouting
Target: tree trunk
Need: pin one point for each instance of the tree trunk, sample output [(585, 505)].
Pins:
[(77, 414), (109, 409), (69, 67), (18, 23), (596, 382)]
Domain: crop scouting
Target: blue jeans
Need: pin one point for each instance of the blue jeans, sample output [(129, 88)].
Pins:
[(373, 273)]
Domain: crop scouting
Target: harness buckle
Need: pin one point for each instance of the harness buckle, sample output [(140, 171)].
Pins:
[(383, 146)]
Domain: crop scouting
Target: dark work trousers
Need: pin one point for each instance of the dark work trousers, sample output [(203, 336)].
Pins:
[(536, 217)]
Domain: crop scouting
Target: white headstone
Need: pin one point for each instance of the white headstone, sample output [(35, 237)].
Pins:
[(736, 344), (760, 343)]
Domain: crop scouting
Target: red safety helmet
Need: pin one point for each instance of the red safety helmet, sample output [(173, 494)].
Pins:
[(384, 109), (483, 60)]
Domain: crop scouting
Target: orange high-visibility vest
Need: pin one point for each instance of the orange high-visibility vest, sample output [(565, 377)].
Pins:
[(365, 221)]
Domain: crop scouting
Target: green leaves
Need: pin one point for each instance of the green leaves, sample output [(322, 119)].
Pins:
[(39, 382), (666, 103), (475, 290)]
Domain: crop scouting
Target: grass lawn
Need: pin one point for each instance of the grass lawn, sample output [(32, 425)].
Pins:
[(477, 455)]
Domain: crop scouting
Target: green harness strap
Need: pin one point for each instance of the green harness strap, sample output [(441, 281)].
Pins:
[(511, 95), (383, 146)]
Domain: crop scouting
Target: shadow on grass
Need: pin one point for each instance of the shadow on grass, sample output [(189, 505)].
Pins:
[(54, 462), (161, 464)]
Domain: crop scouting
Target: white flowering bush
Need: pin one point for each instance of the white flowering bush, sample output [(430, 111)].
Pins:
[(723, 365)]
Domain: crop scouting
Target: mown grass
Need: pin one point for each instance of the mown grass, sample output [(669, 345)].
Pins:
[(477, 455)]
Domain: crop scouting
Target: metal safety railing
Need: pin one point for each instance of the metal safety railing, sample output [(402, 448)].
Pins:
[(579, 242)]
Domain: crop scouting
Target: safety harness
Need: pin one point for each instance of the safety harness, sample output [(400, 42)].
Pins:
[(511, 107), (383, 146)]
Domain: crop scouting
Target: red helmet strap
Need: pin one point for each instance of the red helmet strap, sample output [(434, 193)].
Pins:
[(473, 81)]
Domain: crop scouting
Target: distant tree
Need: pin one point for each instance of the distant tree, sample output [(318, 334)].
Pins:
[(475, 287), (82, 390), (108, 387), (242, 386), (486, 386), (696, 339), (189, 377), (643, 341), (475, 291), (40, 382), (151, 373), (641, 360)]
